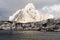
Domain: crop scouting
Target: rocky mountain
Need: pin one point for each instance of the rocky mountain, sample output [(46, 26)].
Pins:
[(29, 14)]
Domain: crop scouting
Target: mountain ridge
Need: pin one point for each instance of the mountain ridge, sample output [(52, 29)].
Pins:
[(29, 14)]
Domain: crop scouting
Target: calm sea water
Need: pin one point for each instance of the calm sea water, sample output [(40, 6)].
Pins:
[(29, 35)]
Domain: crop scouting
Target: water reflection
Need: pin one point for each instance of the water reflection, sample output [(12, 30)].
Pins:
[(30, 35)]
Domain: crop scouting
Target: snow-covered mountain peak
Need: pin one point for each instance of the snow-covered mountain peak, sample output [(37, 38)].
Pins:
[(29, 14), (29, 6)]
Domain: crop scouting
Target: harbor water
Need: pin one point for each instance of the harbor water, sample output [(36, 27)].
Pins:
[(29, 35)]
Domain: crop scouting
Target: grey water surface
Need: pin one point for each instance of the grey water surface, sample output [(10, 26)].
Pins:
[(29, 35)]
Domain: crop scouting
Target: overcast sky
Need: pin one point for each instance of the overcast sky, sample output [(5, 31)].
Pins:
[(8, 7)]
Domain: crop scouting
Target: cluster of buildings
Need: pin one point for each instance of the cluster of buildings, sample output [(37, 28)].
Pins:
[(47, 25)]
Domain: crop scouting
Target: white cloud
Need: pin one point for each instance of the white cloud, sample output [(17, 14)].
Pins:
[(54, 9)]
